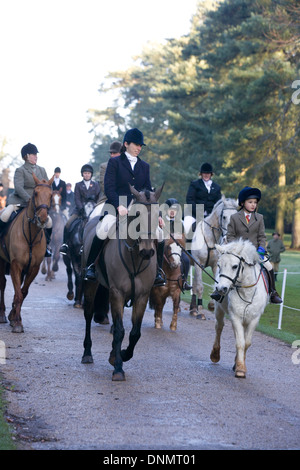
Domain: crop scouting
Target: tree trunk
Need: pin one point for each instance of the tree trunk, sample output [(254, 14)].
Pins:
[(296, 220), (281, 202)]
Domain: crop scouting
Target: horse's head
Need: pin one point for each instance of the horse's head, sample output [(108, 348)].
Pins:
[(173, 252), (222, 211), (41, 201), (234, 259), (56, 200), (88, 208), (143, 220)]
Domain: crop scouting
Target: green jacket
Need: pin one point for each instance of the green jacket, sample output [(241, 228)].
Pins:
[(24, 183), (275, 247)]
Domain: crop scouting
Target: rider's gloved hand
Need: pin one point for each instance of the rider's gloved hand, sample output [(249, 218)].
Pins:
[(261, 251)]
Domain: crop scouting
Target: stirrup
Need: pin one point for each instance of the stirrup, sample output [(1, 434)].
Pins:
[(90, 273), (64, 249), (160, 279)]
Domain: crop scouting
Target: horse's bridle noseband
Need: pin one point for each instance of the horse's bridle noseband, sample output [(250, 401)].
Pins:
[(41, 206)]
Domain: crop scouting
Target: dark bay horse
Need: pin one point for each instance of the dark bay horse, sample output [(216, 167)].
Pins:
[(126, 270), (58, 223), (174, 283), (23, 248), (73, 259)]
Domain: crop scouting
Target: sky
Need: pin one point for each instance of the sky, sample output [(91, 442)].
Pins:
[(55, 54)]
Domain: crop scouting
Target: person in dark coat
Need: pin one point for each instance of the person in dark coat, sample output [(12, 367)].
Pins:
[(204, 191), (120, 171), (85, 191), (70, 199), (115, 151), (60, 185)]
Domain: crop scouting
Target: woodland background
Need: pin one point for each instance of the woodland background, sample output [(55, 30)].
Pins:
[(227, 93)]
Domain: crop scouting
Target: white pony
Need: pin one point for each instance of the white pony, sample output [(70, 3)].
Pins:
[(208, 232), (241, 282)]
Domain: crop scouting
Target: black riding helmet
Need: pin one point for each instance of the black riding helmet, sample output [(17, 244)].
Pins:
[(249, 193), (28, 149), (87, 167), (172, 203)]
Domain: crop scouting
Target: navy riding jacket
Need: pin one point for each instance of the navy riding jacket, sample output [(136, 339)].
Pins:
[(118, 176)]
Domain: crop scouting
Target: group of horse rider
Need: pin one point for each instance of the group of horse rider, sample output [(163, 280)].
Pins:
[(126, 167)]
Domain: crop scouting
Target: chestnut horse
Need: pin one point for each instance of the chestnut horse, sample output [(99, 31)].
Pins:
[(23, 248), (174, 283)]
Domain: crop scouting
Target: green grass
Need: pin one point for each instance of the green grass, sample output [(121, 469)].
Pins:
[(290, 326), (6, 442)]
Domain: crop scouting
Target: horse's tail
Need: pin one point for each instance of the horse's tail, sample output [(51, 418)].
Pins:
[(152, 300)]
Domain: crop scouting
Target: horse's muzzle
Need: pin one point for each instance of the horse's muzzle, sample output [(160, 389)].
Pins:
[(146, 254)]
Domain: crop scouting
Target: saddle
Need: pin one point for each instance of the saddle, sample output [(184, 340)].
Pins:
[(266, 278)]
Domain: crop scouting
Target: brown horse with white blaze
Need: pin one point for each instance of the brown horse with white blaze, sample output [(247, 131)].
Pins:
[(174, 283), (23, 249)]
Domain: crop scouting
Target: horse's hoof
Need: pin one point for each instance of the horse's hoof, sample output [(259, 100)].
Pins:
[(87, 359), (211, 306), (173, 327), (215, 355), (102, 319), (157, 325), (118, 376), (70, 296), (3, 319), (18, 329), (77, 305), (201, 316), (43, 271), (194, 312), (240, 374)]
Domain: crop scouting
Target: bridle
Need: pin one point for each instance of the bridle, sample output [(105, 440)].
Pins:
[(136, 269), (235, 279), (35, 219)]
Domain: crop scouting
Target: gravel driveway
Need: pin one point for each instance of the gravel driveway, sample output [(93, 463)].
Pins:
[(173, 398)]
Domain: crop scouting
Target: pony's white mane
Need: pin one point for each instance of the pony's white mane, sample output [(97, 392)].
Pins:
[(242, 248)]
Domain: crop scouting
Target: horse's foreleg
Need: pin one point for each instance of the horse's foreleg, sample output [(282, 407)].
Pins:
[(195, 305), (70, 294), (138, 310), (14, 316), (90, 289), (239, 365), (115, 358), (176, 302), (219, 325), (78, 287), (2, 290), (159, 305)]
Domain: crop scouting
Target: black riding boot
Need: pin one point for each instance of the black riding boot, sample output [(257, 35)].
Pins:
[(64, 249), (2, 226), (90, 270), (48, 233), (185, 267), (160, 278), (274, 296)]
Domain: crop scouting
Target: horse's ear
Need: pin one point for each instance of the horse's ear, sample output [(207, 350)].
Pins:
[(51, 181), (220, 248), (133, 190), (35, 178), (158, 191)]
